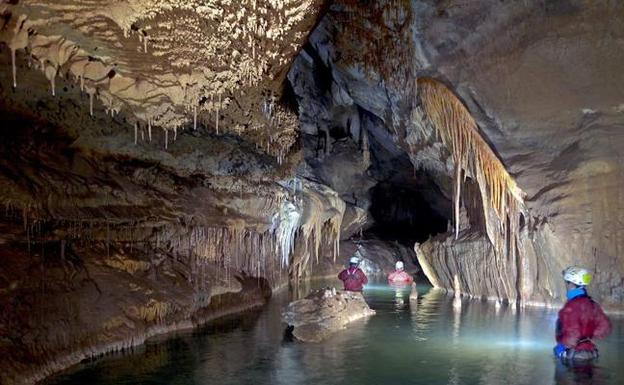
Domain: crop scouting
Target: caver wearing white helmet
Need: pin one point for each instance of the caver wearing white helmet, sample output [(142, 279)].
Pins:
[(399, 276), (581, 320), (577, 275), (353, 277)]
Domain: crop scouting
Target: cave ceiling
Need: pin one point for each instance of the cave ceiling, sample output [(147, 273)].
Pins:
[(168, 65)]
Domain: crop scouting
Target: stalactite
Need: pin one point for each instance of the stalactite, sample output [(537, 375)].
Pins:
[(50, 72), (217, 117), (456, 199), (149, 128), (136, 129), (13, 67), (471, 154), (284, 227), (166, 137), (91, 102), (194, 117), (365, 147)]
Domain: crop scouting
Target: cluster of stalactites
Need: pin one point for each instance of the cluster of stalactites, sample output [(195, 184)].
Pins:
[(278, 127), (257, 33), (261, 252), (473, 156), (234, 249)]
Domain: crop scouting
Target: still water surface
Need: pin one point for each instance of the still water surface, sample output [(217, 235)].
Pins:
[(434, 340)]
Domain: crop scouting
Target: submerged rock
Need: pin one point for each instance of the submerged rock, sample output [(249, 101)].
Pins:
[(323, 312)]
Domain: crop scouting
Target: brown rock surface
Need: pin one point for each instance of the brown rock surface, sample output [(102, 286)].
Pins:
[(324, 312)]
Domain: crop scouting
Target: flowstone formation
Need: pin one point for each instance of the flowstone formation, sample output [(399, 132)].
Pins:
[(323, 312)]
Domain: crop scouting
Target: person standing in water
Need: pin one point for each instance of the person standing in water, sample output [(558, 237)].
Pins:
[(399, 276), (353, 277), (581, 320)]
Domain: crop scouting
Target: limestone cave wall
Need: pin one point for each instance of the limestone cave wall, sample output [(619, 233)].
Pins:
[(541, 80)]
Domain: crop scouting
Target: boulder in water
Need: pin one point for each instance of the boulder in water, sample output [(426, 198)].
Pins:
[(323, 312)]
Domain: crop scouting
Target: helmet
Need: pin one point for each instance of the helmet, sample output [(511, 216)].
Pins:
[(354, 260), (399, 265), (577, 276)]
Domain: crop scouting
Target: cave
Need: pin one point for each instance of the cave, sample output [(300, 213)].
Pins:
[(174, 175)]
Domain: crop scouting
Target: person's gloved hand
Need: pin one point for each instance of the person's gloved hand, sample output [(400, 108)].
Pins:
[(559, 350)]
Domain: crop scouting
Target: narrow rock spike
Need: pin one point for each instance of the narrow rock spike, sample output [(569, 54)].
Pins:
[(13, 67), (218, 107)]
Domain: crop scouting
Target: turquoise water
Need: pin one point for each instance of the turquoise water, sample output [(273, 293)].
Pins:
[(432, 341)]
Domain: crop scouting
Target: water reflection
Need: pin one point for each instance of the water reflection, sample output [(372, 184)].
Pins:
[(400, 294), (434, 339), (579, 374)]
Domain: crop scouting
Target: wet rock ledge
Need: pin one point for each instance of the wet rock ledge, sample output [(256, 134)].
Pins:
[(324, 312)]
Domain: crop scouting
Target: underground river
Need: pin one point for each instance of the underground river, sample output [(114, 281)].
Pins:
[(434, 340)]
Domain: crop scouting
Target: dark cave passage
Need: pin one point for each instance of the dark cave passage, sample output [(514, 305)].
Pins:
[(403, 213)]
